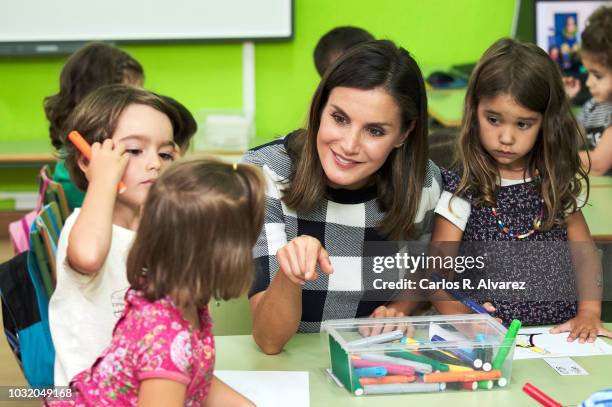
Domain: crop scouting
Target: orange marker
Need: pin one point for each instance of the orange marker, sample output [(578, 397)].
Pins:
[(365, 381), (85, 149), (474, 376)]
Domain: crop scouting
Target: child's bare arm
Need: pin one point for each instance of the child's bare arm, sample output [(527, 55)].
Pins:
[(162, 393), (601, 156), (90, 238), (587, 323), (446, 231)]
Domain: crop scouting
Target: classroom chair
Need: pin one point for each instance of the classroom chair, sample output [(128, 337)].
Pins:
[(48, 191), (54, 193), (231, 317), (44, 237)]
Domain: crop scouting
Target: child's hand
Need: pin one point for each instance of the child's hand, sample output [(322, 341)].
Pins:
[(298, 259), (108, 163), (491, 309), (572, 86), (386, 312), (585, 327)]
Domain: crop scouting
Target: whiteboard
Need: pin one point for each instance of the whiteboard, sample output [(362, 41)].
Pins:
[(144, 20)]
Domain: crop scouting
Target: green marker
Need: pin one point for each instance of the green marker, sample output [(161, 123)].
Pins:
[(357, 389), (506, 346)]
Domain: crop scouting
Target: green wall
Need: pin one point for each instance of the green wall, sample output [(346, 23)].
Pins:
[(209, 75)]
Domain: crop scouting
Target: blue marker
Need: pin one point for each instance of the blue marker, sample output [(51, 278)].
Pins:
[(466, 357), (474, 306), (370, 372)]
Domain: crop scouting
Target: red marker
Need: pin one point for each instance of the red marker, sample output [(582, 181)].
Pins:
[(540, 396), (85, 149)]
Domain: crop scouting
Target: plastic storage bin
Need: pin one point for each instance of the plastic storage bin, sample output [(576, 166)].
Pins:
[(421, 354)]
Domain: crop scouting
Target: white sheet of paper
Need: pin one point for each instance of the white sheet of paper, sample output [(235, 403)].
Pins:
[(566, 366), (556, 345), (269, 388)]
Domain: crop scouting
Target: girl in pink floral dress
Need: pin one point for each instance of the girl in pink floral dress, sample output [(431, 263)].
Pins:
[(199, 224)]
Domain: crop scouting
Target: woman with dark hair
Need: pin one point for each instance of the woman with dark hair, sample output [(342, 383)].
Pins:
[(358, 172)]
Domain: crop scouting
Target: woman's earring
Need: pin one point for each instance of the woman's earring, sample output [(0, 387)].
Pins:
[(399, 145)]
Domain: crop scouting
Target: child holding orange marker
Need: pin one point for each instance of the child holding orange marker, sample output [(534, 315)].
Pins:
[(162, 352), (90, 67), (131, 132)]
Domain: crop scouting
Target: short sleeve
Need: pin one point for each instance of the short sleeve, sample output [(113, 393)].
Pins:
[(459, 211), (165, 352), (582, 115), (455, 209)]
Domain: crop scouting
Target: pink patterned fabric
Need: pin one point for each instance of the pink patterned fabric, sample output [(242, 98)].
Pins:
[(151, 340)]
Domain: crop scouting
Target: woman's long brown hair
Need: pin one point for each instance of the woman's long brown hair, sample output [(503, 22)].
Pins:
[(400, 181)]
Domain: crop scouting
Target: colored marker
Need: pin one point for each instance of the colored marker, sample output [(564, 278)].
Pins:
[(502, 382), (418, 367), (505, 348), (444, 357), (539, 396), (356, 385), (507, 344), (420, 358), (485, 384), (461, 376), (389, 367), (410, 343), (376, 339), (477, 363), (474, 306), (85, 149), (377, 371), (471, 386), (482, 354), (403, 388), (457, 368), (365, 381)]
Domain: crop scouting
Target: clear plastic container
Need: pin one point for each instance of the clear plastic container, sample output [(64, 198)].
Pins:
[(420, 354)]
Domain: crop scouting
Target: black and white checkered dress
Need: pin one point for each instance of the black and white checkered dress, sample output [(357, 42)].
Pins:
[(342, 222)]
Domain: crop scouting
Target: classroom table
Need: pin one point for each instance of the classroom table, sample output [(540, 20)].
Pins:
[(309, 352), (36, 153), (600, 181), (598, 211), (26, 153), (446, 105)]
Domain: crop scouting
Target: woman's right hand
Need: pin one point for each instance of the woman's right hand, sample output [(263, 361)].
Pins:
[(108, 162), (298, 259)]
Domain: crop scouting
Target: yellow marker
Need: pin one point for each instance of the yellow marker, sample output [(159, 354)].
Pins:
[(457, 368)]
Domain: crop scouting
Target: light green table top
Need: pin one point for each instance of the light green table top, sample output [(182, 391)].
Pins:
[(309, 352), (600, 182), (598, 211), (446, 105)]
